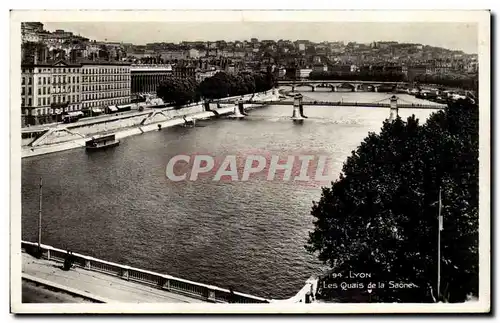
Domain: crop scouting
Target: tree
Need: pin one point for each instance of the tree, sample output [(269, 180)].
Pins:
[(215, 87), (381, 215), (177, 91)]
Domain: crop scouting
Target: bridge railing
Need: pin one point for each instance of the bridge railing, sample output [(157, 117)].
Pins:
[(173, 284), (347, 103)]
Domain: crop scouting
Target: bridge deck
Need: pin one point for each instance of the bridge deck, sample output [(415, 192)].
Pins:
[(94, 283), (348, 104)]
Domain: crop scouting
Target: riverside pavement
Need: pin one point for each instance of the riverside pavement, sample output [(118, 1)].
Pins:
[(88, 282)]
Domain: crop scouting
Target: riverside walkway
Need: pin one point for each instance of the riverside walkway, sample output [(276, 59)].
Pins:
[(80, 285), (104, 282)]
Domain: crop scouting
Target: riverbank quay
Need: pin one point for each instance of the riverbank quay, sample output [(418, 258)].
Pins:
[(94, 286), (101, 281), (60, 137)]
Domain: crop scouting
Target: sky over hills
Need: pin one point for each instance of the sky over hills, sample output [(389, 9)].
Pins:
[(454, 36)]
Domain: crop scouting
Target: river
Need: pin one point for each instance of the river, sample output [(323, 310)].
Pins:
[(118, 204)]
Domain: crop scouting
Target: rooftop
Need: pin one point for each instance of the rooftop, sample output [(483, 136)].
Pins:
[(79, 63)]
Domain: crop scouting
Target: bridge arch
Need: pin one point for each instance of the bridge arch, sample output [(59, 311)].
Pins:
[(346, 85), (311, 85)]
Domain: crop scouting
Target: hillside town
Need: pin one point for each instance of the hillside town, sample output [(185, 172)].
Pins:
[(66, 72)]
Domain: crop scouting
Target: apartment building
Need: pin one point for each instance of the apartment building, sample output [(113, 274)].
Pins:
[(104, 84), (48, 90)]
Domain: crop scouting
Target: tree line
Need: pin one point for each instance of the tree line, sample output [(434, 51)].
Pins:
[(463, 82), (469, 82), (180, 91), (381, 216)]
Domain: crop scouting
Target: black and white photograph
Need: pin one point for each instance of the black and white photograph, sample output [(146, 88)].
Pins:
[(250, 162)]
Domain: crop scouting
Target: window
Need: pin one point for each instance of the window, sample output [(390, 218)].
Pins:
[(58, 99), (29, 90), (22, 90), (73, 98), (64, 98), (64, 78), (48, 100), (77, 79), (59, 79), (29, 102), (43, 100), (44, 80), (48, 90), (74, 79), (43, 90), (73, 88), (39, 102), (22, 102), (48, 80), (23, 81), (77, 98), (29, 80), (39, 80)]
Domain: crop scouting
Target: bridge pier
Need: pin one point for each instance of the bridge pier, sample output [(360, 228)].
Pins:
[(313, 88), (297, 103), (375, 88), (238, 108), (293, 88), (355, 88), (334, 89), (394, 108)]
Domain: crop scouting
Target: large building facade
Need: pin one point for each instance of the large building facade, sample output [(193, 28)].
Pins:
[(48, 90), (105, 84), (184, 71), (145, 78)]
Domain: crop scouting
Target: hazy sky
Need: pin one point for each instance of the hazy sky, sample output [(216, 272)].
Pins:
[(460, 36)]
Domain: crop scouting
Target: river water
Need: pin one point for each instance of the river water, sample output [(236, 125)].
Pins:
[(119, 205)]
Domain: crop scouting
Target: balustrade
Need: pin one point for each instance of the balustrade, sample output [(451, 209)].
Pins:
[(172, 284)]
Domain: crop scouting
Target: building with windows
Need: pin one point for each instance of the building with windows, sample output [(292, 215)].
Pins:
[(201, 75), (48, 90), (303, 73), (104, 84), (145, 78), (320, 67), (184, 71)]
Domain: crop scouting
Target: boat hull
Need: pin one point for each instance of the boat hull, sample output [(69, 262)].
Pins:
[(114, 144)]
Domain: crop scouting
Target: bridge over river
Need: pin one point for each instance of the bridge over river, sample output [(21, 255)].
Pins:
[(393, 102), (335, 85)]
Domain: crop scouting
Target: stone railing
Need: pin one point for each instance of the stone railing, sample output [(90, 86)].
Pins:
[(169, 283)]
